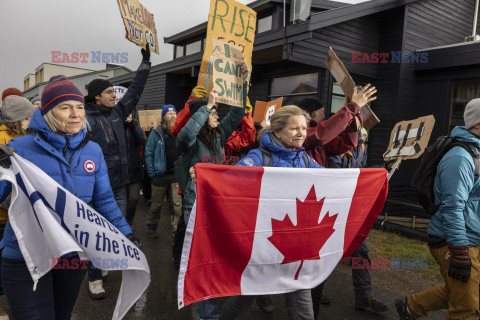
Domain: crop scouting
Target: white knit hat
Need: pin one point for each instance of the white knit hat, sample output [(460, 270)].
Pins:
[(15, 108)]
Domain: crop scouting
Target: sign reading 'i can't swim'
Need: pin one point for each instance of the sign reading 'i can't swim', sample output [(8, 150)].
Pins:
[(227, 73)]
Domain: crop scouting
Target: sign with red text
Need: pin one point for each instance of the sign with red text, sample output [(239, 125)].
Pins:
[(139, 24), (233, 23)]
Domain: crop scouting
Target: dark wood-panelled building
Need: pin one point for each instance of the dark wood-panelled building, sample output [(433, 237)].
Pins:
[(289, 62)]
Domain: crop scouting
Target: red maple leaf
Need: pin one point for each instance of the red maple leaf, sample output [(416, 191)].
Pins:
[(303, 241)]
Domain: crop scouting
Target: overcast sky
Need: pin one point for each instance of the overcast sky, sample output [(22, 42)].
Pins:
[(31, 29)]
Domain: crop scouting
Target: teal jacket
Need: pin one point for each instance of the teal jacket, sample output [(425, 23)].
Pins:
[(192, 150), (458, 218), (155, 157)]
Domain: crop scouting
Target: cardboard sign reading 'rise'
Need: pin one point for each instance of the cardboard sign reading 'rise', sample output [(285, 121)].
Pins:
[(233, 23), (409, 139), (343, 78), (149, 119), (139, 24), (265, 110), (227, 73)]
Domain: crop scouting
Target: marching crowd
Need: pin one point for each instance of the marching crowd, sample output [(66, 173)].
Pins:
[(62, 129)]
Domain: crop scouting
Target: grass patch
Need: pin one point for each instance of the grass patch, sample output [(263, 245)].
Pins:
[(387, 245)]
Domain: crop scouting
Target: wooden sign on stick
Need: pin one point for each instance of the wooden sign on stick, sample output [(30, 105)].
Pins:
[(343, 78), (139, 24)]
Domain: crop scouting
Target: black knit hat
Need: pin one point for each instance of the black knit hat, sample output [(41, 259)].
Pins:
[(310, 105), (96, 87), (196, 104)]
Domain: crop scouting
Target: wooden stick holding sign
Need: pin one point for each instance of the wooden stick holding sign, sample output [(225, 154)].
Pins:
[(139, 24), (233, 23), (227, 73), (343, 78), (264, 110)]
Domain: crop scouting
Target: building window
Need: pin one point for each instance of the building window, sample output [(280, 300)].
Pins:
[(193, 47), (264, 24), (294, 89), (337, 98), (178, 51), (462, 92)]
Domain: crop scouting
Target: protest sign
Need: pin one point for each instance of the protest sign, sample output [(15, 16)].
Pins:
[(50, 222), (150, 119), (139, 24), (264, 110), (233, 23), (409, 139), (343, 78), (227, 73), (119, 93)]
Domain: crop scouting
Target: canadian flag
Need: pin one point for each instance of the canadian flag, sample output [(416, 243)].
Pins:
[(258, 230)]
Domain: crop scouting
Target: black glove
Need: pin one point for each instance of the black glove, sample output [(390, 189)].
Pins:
[(146, 53), (460, 264), (5, 153), (134, 239)]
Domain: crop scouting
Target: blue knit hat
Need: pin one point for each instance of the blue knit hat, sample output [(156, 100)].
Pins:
[(168, 107), (59, 89)]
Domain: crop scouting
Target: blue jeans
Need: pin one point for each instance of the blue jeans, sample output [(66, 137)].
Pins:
[(208, 309), (54, 299), (121, 198)]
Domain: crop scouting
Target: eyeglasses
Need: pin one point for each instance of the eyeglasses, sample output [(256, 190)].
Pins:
[(214, 113), (108, 92)]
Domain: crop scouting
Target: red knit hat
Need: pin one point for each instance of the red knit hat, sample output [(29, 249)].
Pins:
[(11, 92)]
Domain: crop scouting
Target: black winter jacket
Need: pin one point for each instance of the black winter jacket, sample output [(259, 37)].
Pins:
[(135, 139), (107, 129)]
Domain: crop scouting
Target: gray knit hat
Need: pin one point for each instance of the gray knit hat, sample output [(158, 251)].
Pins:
[(15, 108)]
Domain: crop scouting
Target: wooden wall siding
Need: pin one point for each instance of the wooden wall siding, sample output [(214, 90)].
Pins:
[(360, 34), (178, 89), (390, 39)]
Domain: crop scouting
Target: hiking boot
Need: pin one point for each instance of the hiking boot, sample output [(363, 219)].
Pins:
[(152, 231), (402, 310), (370, 304), (324, 299), (104, 275), (265, 304), (95, 289)]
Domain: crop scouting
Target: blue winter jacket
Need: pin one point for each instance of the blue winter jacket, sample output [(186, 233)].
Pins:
[(458, 218), (155, 157), (63, 159), (281, 157)]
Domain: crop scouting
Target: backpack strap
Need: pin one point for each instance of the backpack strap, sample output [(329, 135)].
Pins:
[(305, 160), (267, 157), (474, 153)]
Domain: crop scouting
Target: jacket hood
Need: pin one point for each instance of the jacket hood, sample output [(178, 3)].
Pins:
[(39, 124), (271, 143), (462, 134)]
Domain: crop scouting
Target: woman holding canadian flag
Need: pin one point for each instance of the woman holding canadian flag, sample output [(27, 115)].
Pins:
[(281, 146)]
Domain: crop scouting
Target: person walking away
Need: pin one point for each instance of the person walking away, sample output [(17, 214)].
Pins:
[(454, 230)]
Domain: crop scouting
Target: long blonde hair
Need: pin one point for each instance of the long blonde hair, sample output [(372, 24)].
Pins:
[(281, 117)]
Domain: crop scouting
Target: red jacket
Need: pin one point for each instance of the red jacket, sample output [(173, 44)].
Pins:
[(244, 138), (334, 136), (182, 118)]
